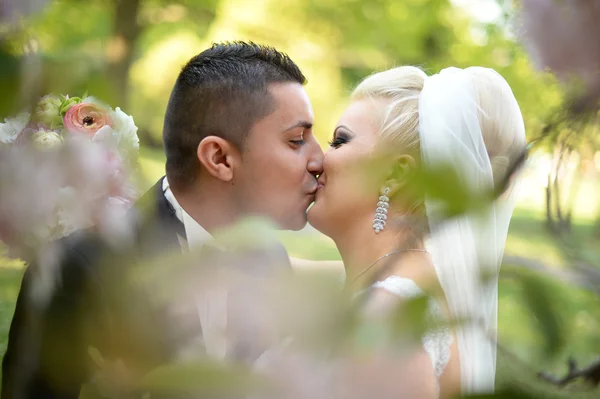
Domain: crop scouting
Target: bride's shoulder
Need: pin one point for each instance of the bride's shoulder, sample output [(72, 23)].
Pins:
[(417, 277), (399, 286), (409, 280)]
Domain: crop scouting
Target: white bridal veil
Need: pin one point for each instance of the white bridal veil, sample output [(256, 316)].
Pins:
[(468, 247)]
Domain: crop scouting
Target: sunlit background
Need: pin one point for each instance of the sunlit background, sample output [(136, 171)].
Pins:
[(128, 53)]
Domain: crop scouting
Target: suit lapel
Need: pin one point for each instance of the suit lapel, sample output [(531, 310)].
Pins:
[(157, 224)]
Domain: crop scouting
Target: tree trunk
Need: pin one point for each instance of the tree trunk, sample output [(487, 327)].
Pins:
[(126, 32), (549, 217), (573, 192), (550, 190), (558, 177)]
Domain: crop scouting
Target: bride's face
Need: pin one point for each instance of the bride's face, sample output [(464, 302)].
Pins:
[(349, 186)]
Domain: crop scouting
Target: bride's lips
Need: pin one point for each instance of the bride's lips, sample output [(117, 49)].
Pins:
[(320, 183)]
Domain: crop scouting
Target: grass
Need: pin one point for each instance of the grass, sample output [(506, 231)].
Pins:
[(11, 272), (520, 331)]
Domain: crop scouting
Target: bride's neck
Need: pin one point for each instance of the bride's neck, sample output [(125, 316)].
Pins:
[(361, 246)]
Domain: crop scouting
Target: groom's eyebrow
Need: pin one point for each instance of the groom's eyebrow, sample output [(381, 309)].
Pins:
[(304, 124)]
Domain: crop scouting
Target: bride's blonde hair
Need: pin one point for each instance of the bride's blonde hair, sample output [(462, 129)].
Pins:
[(499, 114)]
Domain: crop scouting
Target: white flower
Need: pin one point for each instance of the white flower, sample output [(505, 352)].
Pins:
[(107, 137), (122, 136), (72, 213), (126, 130), (47, 111), (46, 139), (10, 129)]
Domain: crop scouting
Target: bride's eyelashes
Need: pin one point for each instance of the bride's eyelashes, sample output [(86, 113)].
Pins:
[(338, 141), (340, 137)]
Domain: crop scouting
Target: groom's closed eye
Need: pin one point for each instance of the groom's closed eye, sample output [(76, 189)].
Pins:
[(302, 127), (298, 140)]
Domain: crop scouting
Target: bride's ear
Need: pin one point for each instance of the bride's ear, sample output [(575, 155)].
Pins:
[(403, 169), (218, 157)]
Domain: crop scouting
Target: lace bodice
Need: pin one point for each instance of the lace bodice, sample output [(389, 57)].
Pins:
[(437, 342)]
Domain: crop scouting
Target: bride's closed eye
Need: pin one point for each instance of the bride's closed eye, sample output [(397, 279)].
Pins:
[(340, 137), (337, 141)]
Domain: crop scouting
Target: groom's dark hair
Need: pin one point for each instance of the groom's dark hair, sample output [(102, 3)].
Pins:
[(223, 92)]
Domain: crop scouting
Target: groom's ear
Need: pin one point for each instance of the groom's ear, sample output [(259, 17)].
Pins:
[(218, 156), (403, 169)]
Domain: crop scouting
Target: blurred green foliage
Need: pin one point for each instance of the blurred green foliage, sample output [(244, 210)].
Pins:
[(87, 45)]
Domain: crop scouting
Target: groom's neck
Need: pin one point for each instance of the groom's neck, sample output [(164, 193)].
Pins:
[(210, 207)]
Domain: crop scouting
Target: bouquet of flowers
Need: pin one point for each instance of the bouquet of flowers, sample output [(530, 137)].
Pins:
[(63, 167)]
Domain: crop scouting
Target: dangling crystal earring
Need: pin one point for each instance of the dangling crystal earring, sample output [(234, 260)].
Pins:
[(381, 211)]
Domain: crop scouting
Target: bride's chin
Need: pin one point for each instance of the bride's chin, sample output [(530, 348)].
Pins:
[(314, 215)]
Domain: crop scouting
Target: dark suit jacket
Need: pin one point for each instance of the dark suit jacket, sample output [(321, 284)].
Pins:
[(93, 304)]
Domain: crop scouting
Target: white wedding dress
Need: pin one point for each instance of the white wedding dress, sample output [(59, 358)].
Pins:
[(437, 342), (317, 376)]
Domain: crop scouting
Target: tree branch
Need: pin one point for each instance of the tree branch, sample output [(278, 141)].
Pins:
[(590, 374), (583, 275)]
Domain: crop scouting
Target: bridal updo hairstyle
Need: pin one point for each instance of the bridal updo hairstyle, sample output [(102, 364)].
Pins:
[(499, 115)]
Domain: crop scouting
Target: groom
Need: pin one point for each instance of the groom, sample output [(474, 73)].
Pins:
[(238, 141)]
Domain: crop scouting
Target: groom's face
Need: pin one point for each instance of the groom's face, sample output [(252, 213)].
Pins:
[(280, 160)]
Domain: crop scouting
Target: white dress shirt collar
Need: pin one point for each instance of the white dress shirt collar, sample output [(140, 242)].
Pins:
[(196, 235), (211, 304)]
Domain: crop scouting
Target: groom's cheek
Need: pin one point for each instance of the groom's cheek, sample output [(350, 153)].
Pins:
[(276, 186)]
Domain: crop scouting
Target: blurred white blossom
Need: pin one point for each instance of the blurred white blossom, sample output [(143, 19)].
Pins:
[(45, 139), (12, 127), (46, 195)]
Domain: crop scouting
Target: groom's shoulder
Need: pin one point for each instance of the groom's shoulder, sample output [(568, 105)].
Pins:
[(82, 252), (88, 246)]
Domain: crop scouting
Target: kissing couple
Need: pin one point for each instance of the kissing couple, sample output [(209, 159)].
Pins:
[(239, 142)]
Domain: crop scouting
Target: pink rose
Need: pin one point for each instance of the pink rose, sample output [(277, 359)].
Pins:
[(86, 118)]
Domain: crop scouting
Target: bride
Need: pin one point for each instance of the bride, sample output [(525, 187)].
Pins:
[(398, 244)]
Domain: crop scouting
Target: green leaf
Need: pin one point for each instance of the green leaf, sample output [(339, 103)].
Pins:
[(511, 393), (203, 379), (67, 104), (542, 303), (410, 318), (96, 356)]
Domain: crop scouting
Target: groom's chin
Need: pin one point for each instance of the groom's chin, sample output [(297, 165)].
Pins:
[(295, 223)]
